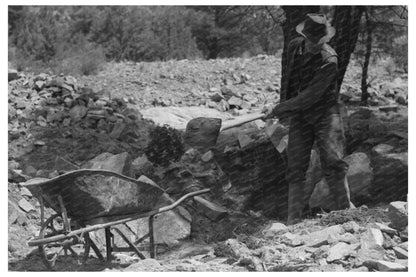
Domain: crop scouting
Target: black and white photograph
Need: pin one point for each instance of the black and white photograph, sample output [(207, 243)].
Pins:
[(207, 138)]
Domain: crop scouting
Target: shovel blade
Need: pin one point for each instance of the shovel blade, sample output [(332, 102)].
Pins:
[(202, 132)]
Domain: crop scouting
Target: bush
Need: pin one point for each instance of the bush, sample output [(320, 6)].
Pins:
[(165, 145), (87, 62)]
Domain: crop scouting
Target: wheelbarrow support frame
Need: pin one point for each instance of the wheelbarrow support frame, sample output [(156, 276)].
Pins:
[(108, 226)]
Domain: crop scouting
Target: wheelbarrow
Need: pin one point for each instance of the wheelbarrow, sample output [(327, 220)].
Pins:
[(89, 200)]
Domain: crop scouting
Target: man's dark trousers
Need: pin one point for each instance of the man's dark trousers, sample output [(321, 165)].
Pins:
[(328, 133)]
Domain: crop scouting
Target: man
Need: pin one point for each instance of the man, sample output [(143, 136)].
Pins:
[(312, 106)]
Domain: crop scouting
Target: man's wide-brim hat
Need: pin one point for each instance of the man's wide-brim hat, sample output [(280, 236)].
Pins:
[(316, 28)]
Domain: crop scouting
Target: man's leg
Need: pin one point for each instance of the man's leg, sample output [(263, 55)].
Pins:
[(301, 138), (330, 138)]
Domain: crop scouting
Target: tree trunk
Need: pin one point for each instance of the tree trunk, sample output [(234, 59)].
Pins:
[(346, 23), (364, 84), (294, 16)]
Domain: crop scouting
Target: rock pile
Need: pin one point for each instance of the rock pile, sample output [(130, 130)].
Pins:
[(343, 247), (52, 116), (50, 101)]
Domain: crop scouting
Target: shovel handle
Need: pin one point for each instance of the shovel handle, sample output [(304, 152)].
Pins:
[(241, 120)]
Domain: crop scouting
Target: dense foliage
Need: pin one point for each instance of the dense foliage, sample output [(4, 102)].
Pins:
[(138, 33), (78, 39), (165, 145)]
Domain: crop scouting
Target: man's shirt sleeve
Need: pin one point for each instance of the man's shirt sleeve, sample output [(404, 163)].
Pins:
[(321, 81)]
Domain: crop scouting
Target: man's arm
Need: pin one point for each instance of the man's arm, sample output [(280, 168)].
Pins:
[(309, 96), (294, 45)]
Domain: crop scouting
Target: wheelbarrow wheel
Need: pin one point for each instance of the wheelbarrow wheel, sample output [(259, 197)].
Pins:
[(51, 252)]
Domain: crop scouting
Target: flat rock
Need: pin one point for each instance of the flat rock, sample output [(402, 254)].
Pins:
[(351, 227), (404, 234), (16, 176), (235, 101), (348, 238), (382, 149), (15, 215), (397, 213), (365, 255), (371, 239), (385, 229), (275, 229), (118, 129), (217, 97), (245, 105), (340, 251), (388, 242), (292, 239), (319, 238), (207, 156), (223, 106), (117, 163), (228, 93), (244, 140), (25, 205), (404, 245), (400, 252), (25, 192), (172, 226), (389, 266), (78, 112)]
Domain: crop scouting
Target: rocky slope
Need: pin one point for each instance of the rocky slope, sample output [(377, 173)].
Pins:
[(61, 123)]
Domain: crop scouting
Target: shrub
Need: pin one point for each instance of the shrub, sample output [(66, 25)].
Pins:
[(79, 57), (165, 145)]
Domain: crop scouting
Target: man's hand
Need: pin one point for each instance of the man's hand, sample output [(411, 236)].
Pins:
[(268, 111)]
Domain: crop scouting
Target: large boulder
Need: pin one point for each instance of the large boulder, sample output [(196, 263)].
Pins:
[(169, 227), (390, 176), (398, 214), (359, 176), (256, 173), (362, 125)]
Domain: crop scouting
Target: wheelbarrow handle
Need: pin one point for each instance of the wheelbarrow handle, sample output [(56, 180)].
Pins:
[(241, 120)]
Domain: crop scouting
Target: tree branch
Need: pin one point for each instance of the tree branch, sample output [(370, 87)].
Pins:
[(271, 14)]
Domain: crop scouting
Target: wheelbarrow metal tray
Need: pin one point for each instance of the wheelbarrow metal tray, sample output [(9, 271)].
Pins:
[(89, 194)]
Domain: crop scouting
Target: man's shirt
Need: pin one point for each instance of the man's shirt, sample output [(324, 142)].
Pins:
[(310, 86)]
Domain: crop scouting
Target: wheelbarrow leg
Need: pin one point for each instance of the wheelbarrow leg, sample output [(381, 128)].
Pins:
[(95, 248), (108, 236), (152, 238), (132, 246), (67, 225)]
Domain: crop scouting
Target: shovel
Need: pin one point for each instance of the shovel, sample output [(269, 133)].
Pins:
[(202, 132)]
